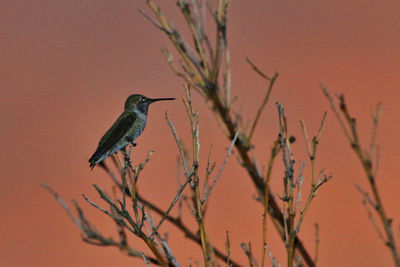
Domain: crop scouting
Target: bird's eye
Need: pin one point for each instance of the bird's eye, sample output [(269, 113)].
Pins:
[(143, 99)]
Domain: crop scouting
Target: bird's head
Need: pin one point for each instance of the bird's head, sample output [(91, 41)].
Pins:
[(141, 103)]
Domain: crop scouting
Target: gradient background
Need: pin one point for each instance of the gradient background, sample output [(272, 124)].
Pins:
[(68, 66)]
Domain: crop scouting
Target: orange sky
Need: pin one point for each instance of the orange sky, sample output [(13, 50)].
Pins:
[(68, 66)]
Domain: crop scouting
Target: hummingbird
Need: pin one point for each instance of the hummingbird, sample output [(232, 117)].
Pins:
[(129, 125)]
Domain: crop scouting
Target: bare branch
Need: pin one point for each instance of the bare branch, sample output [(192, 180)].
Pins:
[(367, 200), (273, 261), (366, 158), (209, 169), (316, 253), (266, 98), (227, 249), (178, 142), (155, 23), (64, 205), (247, 250), (336, 112), (274, 152), (205, 196), (180, 225), (92, 236), (177, 197)]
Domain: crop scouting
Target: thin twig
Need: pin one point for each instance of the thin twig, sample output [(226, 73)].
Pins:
[(274, 152), (179, 144), (205, 196), (209, 169), (176, 198), (367, 200), (266, 98), (228, 249), (316, 253), (164, 245), (155, 23), (336, 112), (248, 251), (273, 260), (64, 205), (374, 149)]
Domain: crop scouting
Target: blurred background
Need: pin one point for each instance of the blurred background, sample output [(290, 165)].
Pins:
[(68, 66)]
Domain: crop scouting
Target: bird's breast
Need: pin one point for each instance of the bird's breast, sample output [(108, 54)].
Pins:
[(139, 124)]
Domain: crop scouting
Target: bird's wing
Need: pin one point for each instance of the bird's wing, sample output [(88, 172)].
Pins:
[(114, 134)]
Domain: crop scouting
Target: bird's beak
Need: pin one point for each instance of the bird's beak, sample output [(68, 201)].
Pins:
[(152, 100)]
